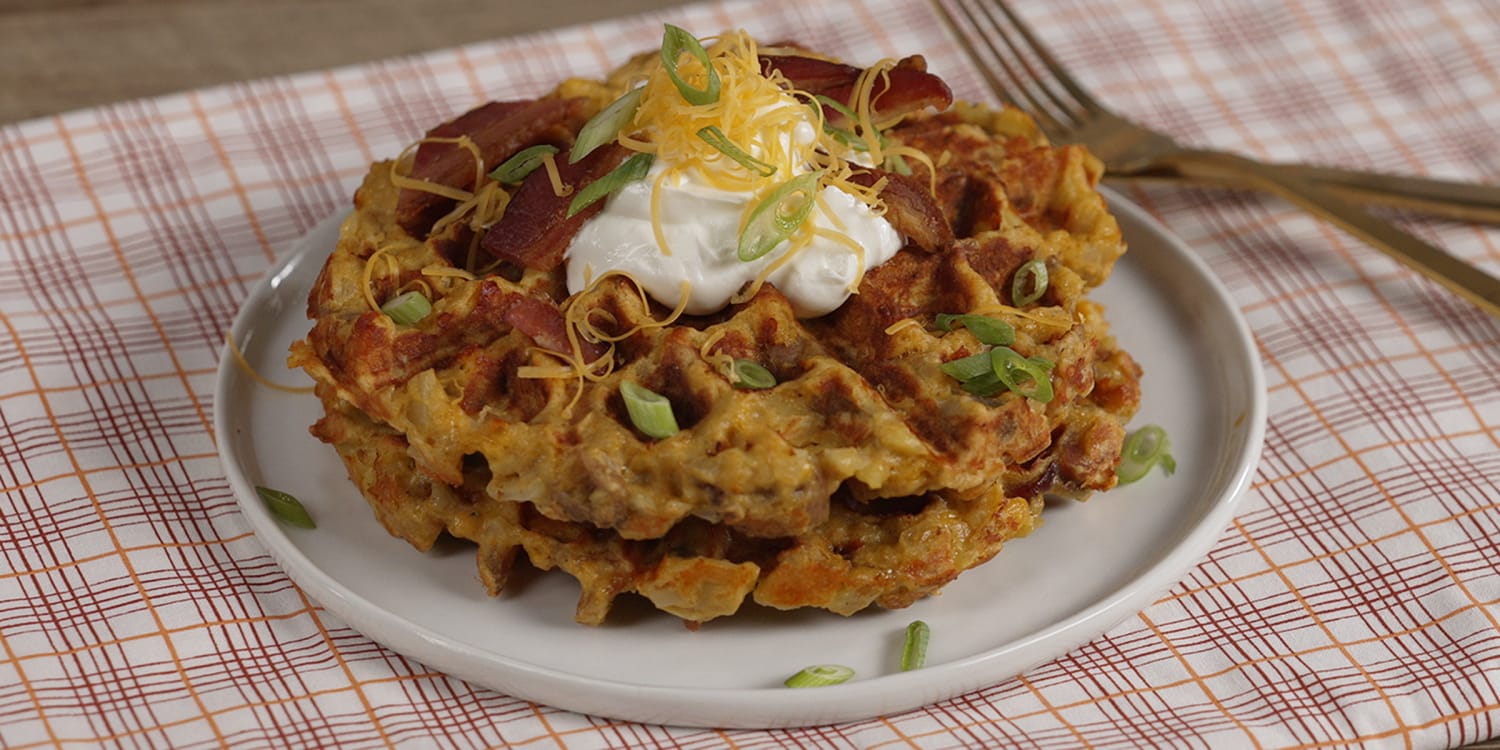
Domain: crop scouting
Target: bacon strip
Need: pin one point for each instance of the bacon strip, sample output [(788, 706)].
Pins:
[(499, 130), (536, 230), (540, 319), (910, 208), (904, 89), (544, 323)]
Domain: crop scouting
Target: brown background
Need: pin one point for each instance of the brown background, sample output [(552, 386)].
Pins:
[(57, 55)]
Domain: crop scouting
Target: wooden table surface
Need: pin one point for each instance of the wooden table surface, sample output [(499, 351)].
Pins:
[(58, 55)]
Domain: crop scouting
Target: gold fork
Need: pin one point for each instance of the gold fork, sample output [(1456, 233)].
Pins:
[(1003, 48)]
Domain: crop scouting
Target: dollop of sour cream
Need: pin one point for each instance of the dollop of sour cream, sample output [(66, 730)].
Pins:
[(700, 224), (699, 221)]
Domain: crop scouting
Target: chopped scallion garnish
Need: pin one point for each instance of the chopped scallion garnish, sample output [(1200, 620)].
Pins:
[(1001, 368), (286, 507), (837, 106), (1028, 377), (820, 675), (988, 384), (524, 162), (606, 126), (988, 330), (630, 170), (1029, 283), (776, 217), (407, 308), (1145, 448), (715, 137), (968, 368), (914, 650), (675, 41), (845, 136), (752, 376), (649, 411)]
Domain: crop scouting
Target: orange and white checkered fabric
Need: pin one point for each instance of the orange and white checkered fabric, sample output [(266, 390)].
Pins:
[(1355, 599)]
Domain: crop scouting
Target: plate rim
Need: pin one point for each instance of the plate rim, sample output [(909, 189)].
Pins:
[(866, 698)]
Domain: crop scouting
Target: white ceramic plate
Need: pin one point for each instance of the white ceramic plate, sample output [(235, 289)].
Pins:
[(1089, 566)]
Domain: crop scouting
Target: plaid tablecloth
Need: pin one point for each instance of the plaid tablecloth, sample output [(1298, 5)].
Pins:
[(1353, 600)]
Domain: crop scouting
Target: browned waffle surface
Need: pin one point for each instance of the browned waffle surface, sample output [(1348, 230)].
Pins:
[(865, 476)]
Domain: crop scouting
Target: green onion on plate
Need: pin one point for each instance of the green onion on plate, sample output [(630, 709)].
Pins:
[(286, 507), (820, 675), (1145, 448), (914, 649)]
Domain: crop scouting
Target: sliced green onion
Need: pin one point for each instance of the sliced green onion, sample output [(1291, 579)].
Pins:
[(715, 137), (852, 140), (650, 411), (606, 126), (967, 368), (988, 330), (987, 384), (1027, 377), (675, 41), (820, 675), (778, 215), (630, 170), (1144, 449), (914, 650), (843, 135), (286, 507), (752, 376), (839, 107), (524, 162), (407, 308), (1029, 283)]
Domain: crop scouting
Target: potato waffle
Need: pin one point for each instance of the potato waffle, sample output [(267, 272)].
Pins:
[(866, 475)]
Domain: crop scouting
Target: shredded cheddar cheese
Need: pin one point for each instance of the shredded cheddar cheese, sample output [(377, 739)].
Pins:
[(579, 326), (248, 369), (758, 113), (368, 285), (559, 188), (902, 325), (407, 182), (721, 361)]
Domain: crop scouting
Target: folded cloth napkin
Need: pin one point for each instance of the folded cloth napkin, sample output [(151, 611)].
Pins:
[(1352, 600)]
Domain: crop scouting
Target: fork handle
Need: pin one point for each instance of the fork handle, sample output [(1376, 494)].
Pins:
[(1460, 201), (1456, 200), (1456, 275)]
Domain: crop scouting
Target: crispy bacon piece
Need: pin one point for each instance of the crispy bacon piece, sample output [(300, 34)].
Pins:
[(539, 318), (499, 130), (536, 229), (544, 323), (904, 89), (910, 208)]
